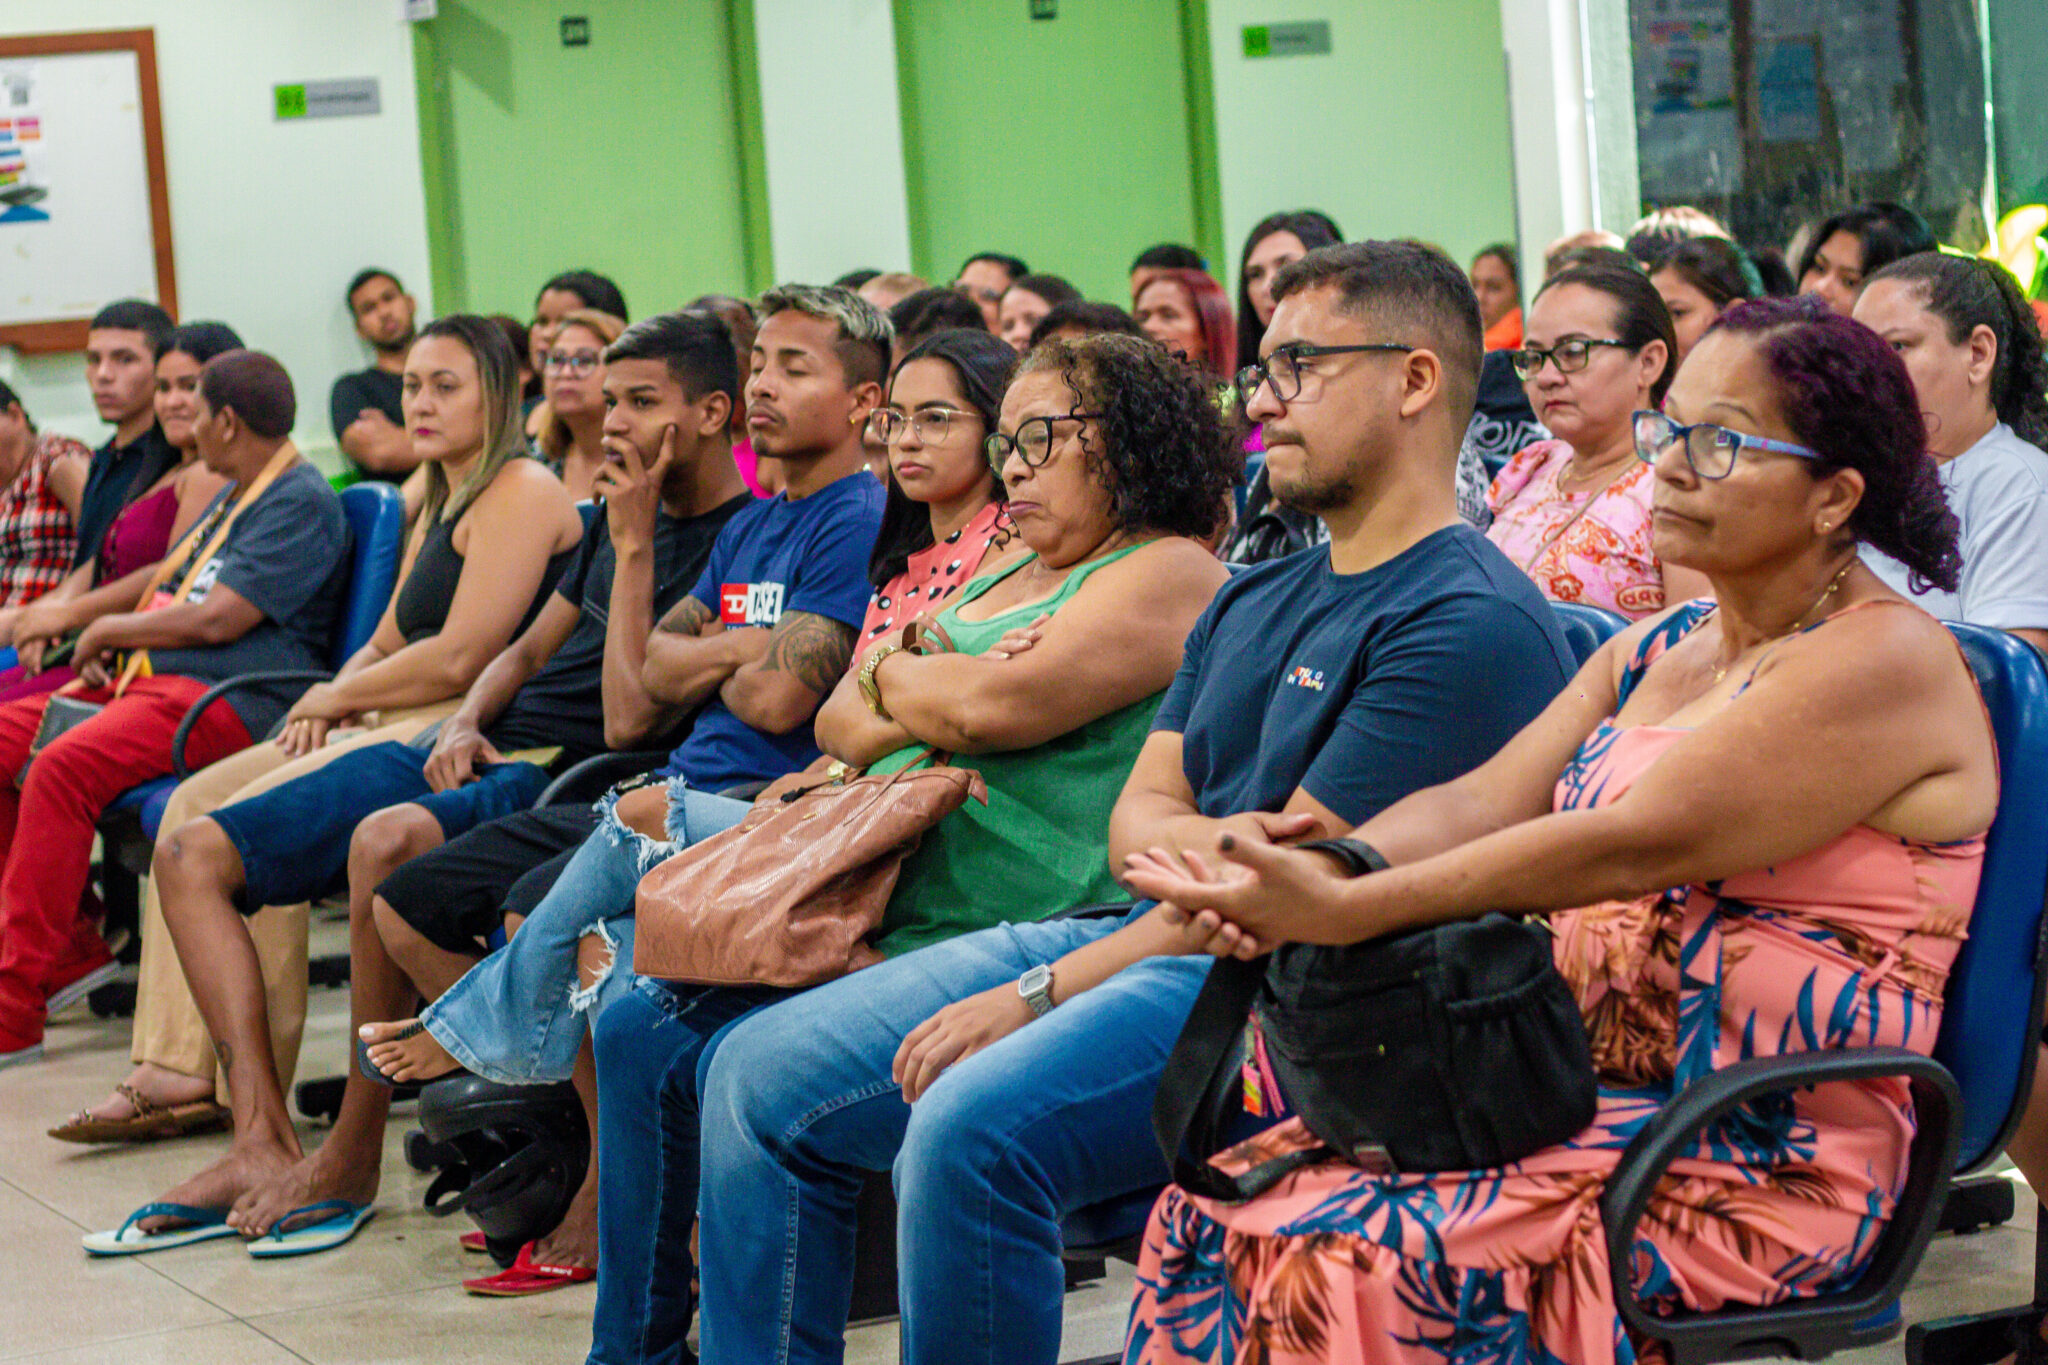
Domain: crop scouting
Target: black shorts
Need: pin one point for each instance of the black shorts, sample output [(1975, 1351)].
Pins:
[(459, 894)]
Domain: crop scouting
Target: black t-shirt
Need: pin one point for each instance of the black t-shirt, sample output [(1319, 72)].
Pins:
[(563, 702), (117, 476), (371, 388), (1361, 688)]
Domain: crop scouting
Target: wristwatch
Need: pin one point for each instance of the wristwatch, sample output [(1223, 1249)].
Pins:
[(870, 690), (1036, 988)]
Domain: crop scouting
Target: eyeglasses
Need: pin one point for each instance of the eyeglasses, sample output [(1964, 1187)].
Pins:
[(1033, 441), (1709, 449), (931, 426), (575, 364), (1282, 369), (1569, 356)]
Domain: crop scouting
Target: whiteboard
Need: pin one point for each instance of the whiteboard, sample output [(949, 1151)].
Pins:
[(75, 206)]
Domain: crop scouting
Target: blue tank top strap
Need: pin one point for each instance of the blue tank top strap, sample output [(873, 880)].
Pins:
[(1653, 646)]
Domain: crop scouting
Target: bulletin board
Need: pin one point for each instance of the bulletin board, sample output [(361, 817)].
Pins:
[(84, 213)]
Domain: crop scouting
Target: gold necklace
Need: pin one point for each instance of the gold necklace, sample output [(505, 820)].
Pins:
[(1797, 625)]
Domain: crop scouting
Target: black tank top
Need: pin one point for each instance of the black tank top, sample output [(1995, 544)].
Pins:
[(429, 590)]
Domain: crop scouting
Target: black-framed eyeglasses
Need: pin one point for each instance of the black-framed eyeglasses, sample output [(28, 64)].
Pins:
[(1033, 441), (1282, 368), (1709, 449), (932, 425), (1569, 356)]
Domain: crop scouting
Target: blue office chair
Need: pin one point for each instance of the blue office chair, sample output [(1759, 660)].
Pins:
[(128, 827), (1586, 628)]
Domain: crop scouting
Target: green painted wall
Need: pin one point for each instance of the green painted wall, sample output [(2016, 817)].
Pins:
[(1067, 142), (624, 156)]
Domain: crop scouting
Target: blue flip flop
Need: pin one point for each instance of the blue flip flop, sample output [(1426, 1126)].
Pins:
[(345, 1220), (202, 1225)]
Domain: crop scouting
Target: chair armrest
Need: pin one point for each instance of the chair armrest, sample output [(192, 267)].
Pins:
[(221, 689), (1825, 1322), (586, 781)]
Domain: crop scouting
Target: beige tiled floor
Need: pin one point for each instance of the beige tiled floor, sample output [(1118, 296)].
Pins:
[(393, 1295)]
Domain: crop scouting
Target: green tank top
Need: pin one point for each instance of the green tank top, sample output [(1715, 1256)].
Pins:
[(1041, 844)]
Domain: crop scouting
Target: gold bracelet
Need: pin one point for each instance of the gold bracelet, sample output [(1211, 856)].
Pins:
[(870, 690)]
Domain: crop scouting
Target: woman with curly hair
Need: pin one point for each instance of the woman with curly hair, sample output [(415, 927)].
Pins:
[(1756, 824), (1968, 338), (1114, 457)]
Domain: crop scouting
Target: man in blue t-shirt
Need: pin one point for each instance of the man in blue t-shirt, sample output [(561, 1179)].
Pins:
[(1314, 692)]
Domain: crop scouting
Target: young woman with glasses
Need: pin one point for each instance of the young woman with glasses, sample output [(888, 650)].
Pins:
[(1574, 511), (572, 377)]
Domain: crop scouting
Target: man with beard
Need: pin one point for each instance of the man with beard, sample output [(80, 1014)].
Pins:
[(368, 420), (1314, 692)]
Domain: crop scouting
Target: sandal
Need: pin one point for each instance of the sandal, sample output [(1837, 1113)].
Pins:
[(528, 1276), (151, 1122)]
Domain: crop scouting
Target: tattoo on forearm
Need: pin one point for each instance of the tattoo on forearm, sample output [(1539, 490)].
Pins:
[(687, 617), (812, 649)]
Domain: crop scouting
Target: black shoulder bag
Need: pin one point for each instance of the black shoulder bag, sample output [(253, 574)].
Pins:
[(1453, 1048)]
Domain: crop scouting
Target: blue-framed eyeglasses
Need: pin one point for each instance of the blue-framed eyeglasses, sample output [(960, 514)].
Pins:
[(1709, 449)]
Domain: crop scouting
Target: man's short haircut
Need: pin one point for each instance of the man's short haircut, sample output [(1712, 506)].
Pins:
[(864, 333), (137, 315), (1014, 267), (917, 316), (597, 291), (1169, 256), (1419, 295), (695, 345), (363, 277), (1079, 315), (256, 387), (854, 279)]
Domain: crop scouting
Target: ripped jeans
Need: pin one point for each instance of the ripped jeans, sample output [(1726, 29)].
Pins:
[(518, 1017)]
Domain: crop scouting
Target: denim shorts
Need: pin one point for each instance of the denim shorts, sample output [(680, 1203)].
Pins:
[(294, 839)]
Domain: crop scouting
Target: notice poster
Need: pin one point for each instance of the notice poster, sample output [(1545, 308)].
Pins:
[(1688, 141), (24, 172)]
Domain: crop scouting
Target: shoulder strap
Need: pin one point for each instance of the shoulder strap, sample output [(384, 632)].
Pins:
[(1658, 642)]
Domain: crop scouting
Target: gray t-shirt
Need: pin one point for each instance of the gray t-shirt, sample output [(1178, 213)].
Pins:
[(288, 554), (1998, 489)]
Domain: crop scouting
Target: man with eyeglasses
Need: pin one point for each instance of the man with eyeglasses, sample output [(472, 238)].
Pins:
[(1017, 1083)]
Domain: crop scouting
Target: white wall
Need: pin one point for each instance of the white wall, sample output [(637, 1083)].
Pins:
[(268, 220), (836, 190)]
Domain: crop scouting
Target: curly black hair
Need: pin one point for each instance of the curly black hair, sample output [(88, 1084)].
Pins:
[(1166, 452)]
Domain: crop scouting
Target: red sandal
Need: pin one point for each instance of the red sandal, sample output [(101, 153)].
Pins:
[(528, 1276)]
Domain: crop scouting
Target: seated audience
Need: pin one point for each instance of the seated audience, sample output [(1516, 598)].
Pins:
[(572, 413), (1077, 318), (1188, 313), (254, 586), (364, 407), (1025, 304), (560, 296), (1274, 241), (1145, 267), (927, 311), (1698, 279), (738, 317), (1971, 346), (42, 478), (1573, 512), (1114, 457), (113, 579), (885, 291), (1714, 854), (985, 278), (122, 346), (571, 681), (495, 534), (1568, 250), (1007, 1075), (1497, 280), (1849, 247)]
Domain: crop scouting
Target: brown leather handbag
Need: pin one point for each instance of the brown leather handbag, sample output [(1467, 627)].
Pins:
[(788, 896)]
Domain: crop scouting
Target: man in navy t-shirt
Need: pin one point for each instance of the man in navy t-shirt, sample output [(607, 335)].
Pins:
[(1315, 691)]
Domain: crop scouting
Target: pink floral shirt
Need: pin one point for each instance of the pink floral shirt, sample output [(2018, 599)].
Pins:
[(1602, 558)]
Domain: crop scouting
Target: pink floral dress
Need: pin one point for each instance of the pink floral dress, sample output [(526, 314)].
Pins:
[(1846, 946), (1591, 547), (931, 576)]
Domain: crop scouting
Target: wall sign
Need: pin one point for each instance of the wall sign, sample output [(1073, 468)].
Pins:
[(327, 99), (575, 31), (1310, 38)]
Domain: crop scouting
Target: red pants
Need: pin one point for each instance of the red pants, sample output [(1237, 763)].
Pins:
[(46, 825)]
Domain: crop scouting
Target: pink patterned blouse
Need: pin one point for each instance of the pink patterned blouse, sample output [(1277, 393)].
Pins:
[(1578, 547)]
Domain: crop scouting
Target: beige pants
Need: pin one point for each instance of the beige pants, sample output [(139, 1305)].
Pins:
[(168, 1030)]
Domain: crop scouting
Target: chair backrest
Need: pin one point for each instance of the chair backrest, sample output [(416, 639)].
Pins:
[(376, 520), (1991, 1013), (1587, 628)]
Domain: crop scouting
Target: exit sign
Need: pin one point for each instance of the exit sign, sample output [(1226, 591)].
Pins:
[(1310, 38)]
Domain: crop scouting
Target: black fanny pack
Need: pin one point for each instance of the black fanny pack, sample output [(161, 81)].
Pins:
[(1453, 1048)]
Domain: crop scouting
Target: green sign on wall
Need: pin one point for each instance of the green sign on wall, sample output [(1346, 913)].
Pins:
[(1307, 39)]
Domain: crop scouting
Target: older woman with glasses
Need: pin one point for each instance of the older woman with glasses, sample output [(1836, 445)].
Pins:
[(572, 416), (1574, 511)]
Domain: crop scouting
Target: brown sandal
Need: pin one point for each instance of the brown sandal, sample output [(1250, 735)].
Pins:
[(151, 1122)]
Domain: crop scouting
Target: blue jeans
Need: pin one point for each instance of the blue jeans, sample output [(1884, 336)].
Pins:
[(516, 1017), (798, 1104)]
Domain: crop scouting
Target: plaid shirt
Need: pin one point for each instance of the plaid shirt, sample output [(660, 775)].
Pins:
[(36, 535)]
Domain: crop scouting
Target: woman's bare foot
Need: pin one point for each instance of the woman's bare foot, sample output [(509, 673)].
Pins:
[(162, 1087), (574, 1240), (326, 1174), (405, 1051), (248, 1165)]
